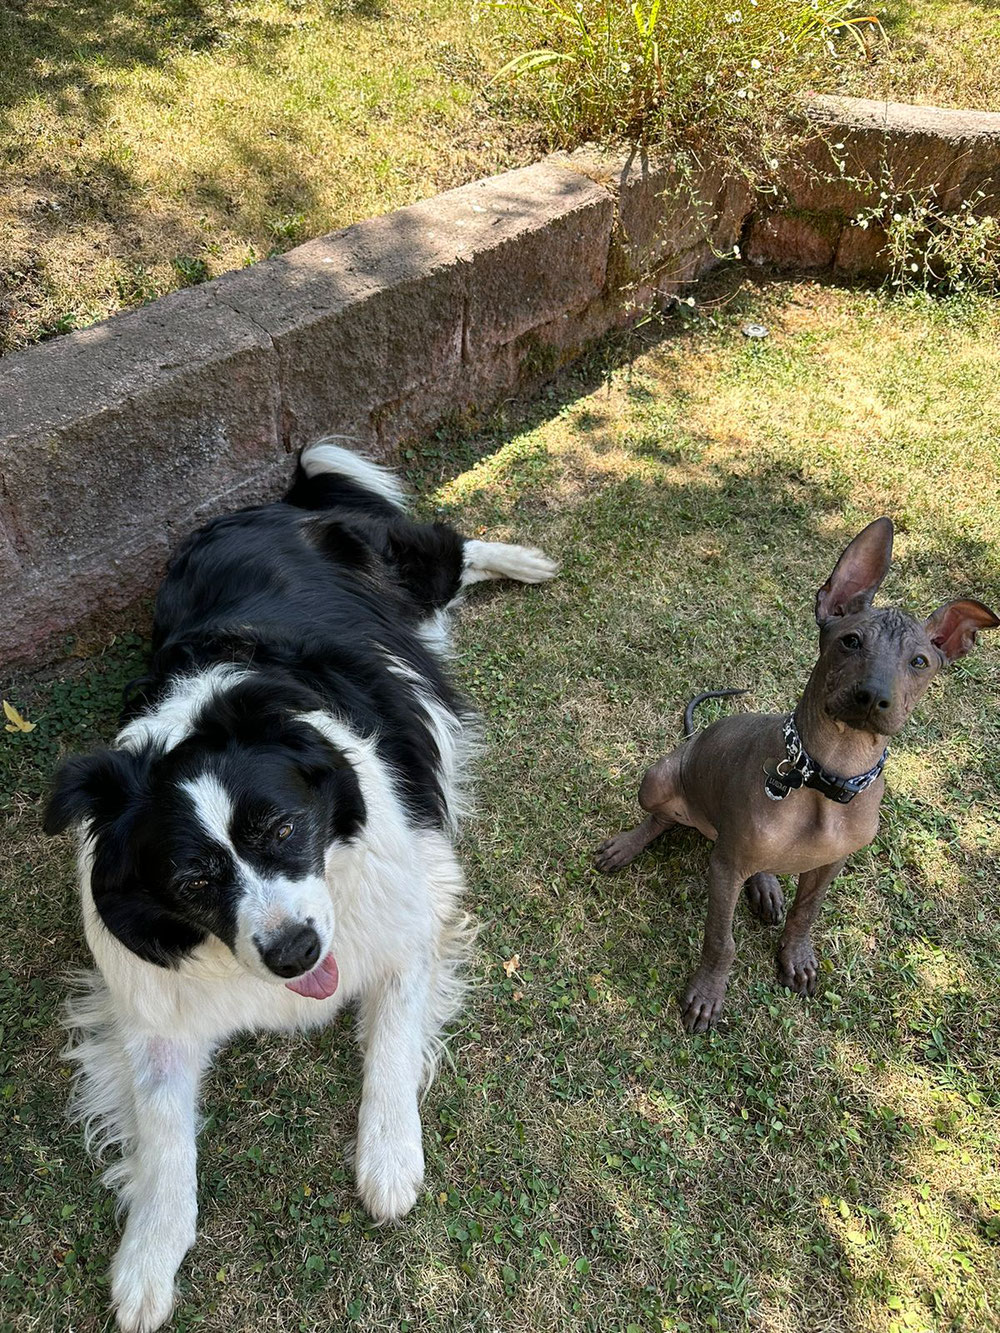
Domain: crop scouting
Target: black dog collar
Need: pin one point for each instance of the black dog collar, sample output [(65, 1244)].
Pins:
[(798, 769)]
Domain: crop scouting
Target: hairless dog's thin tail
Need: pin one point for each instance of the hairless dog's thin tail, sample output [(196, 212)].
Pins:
[(700, 699)]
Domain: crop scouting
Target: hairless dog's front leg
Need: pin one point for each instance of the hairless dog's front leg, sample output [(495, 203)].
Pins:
[(705, 992), (765, 898), (797, 966)]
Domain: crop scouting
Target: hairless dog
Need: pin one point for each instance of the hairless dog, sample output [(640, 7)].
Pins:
[(766, 788)]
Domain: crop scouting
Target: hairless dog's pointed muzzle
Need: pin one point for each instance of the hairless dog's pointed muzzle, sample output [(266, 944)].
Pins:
[(872, 706)]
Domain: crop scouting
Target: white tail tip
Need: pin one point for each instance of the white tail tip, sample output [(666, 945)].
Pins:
[(328, 456)]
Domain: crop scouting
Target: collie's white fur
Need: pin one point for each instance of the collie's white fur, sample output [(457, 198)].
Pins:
[(327, 455)]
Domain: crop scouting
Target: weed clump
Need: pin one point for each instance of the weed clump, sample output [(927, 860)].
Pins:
[(690, 75)]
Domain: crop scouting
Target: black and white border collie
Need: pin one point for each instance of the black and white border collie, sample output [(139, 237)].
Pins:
[(270, 837)]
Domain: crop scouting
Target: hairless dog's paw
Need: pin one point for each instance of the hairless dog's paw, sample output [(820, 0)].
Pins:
[(797, 966), (701, 1003), (615, 853), (765, 899)]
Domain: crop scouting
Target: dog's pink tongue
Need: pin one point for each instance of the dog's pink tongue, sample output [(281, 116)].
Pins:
[(320, 983)]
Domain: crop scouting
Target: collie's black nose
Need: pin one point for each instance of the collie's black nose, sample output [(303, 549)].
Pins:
[(292, 952)]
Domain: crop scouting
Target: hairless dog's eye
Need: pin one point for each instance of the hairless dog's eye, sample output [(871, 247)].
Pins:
[(850, 642), (919, 662)]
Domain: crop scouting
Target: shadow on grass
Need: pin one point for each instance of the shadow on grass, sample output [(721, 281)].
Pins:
[(50, 49), (67, 55)]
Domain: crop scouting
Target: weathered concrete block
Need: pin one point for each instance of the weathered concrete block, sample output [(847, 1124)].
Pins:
[(54, 599), (374, 326), (861, 251), (10, 566), (544, 234), (899, 149), (354, 319), (665, 213), (118, 432)]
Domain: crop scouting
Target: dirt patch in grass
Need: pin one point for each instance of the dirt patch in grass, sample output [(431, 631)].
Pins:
[(826, 1165)]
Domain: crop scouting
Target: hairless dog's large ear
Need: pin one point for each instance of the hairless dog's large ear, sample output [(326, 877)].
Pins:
[(858, 573), (952, 628)]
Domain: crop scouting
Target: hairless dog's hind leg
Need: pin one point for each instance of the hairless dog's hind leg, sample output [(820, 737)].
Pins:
[(657, 794)]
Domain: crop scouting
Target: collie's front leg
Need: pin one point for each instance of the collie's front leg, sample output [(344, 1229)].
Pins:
[(160, 1188), (390, 1153)]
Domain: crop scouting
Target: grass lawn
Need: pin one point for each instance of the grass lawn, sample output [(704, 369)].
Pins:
[(938, 53), (815, 1166), (152, 145)]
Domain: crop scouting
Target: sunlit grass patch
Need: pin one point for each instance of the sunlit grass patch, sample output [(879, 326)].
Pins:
[(936, 53)]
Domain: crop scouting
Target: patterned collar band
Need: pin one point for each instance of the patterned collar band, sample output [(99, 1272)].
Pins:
[(799, 769)]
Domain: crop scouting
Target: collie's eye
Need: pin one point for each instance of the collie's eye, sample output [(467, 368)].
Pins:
[(851, 642), (284, 831), (195, 885), (919, 662)]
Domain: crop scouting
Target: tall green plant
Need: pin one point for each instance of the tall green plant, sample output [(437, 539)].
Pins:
[(689, 72)]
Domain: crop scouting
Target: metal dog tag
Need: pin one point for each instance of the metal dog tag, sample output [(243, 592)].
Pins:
[(779, 784)]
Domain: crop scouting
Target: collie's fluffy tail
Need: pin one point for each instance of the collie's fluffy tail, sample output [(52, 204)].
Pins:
[(326, 462)]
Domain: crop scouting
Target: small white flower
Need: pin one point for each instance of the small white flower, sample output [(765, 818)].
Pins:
[(897, 217), (689, 301), (741, 92), (736, 251), (914, 268), (755, 64), (625, 67)]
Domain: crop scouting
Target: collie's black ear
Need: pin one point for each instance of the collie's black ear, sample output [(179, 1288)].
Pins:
[(94, 786)]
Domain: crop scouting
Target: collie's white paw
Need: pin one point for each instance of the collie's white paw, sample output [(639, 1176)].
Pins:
[(143, 1301), (143, 1273), (530, 565), (500, 560), (390, 1174)]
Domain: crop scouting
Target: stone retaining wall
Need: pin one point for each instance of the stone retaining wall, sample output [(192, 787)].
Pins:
[(870, 154), (116, 440)]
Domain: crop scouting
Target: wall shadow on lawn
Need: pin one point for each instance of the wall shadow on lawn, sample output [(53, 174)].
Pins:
[(87, 201), (50, 49)]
